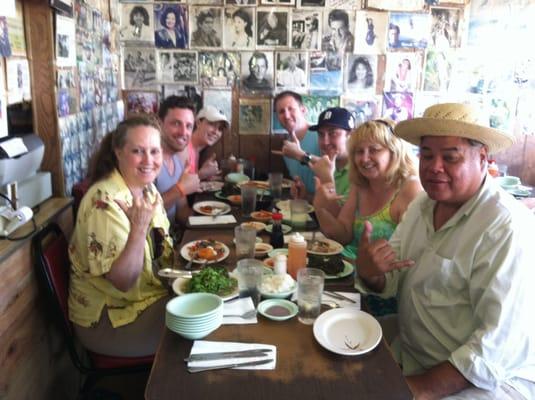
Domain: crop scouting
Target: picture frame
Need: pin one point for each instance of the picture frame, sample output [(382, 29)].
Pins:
[(364, 108), (398, 106), (315, 104), (325, 77), (141, 101), (370, 32), (408, 30), (257, 72), (338, 28), (219, 69), (206, 27), (272, 28), (402, 71), (139, 68), (361, 73), (171, 26), (239, 32), (254, 116), (306, 29), (137, 24), (445, 27), (292, 71)]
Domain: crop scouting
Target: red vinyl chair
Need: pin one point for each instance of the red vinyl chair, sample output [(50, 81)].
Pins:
[(50, 248)]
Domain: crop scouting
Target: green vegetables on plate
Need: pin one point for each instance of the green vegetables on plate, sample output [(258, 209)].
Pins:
[(214, 280)]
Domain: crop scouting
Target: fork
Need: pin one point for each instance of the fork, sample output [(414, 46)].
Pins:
[(190, 262)]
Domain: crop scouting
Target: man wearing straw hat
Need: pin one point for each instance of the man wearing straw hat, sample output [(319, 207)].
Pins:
[(461, 264)]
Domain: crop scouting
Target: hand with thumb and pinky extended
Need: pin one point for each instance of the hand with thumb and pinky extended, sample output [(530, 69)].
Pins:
[(376, 258)]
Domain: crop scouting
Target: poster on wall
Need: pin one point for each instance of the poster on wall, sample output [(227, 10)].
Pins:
[(219, 68), (325, 73), (272, 26), (145, 102), (437, 71), (137, 25), (445, 27), (315, 104), (206, 27), (257, 72), (171, 26), (306, 29), (338, 26), (361, 73), (65, 41), (363, 108), (402, 71), (18, 80), (291, 71), (16, 33), (408, 30), (139, 68), (190, 91), (370, 32), (398, 106), (5, 44), (239, 28), (67, 92), (254, 117)]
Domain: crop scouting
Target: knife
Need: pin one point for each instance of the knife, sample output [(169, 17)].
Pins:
[(225, 366), (339, 296), (228, 354)]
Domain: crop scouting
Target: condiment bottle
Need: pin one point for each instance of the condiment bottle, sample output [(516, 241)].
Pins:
[(279, 266), (232, 163), (277, 237), (493, 168), (297, 254)]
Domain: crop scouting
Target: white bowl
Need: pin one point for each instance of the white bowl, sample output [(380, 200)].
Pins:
[(194, 305)]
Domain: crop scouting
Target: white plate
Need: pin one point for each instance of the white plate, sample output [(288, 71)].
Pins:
[(262, 249), (334, 328), (179, 285), (261, 186), (284, 205), (218, 207), (184, 252), (259, 226), (211, 186), (285, 228), (334, 248), (348, 270)]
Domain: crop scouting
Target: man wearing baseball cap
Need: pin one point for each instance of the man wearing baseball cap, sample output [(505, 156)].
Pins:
[(210, 125), (333, 127), (461, 264)]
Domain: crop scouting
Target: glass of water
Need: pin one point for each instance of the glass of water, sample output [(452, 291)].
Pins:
[(275, 185), (245, 239), (309, 290), (248, 200)]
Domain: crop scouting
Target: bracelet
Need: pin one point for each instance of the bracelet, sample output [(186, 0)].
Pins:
[(306, 159), (180, 189)]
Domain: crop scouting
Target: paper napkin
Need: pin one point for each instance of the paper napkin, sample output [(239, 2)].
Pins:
[(207, 220), (238, 307), (206, 346)]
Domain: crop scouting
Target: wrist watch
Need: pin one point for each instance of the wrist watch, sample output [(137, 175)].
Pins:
[(306, 159)]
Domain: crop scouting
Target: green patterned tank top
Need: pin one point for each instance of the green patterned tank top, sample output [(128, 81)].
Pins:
[(383, 227)]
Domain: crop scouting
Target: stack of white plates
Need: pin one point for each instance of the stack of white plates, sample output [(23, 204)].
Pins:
[(194, 315)]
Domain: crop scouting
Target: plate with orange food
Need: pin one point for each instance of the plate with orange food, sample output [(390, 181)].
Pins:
[(204, 251), (261, 215), (211, 208)]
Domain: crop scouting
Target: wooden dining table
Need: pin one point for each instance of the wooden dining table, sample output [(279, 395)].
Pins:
[(304, 369)]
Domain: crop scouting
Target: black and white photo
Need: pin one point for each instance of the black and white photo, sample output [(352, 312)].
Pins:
[(337, 28), (361, 72), (370, 32), (219, 68), (139, 68), (291, 71), (137, 23), (272, 27), (306, 31), (171, 26), (257, 72), (206, 27), (239, 28), (185, 66)]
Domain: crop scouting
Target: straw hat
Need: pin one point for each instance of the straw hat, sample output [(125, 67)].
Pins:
[(453, 119)]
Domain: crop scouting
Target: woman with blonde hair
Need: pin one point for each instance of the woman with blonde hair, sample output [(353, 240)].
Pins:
[(383, 181)]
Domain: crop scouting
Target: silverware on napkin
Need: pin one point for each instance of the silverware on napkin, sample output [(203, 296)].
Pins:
[(339, 296), (225, 366), (228, 354)]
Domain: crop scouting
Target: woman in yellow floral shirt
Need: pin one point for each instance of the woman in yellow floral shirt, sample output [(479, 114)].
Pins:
[(116, 303)]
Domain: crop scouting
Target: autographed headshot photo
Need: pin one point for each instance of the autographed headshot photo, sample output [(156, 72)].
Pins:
[(272, 28), (239, 28), (291, 71), (306, 30), (137, 24), (171, 30), (337, 28), (257, 72), (361, 72), (206, 27)]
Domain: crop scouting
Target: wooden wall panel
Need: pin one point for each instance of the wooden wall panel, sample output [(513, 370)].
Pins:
[(520, 159), (38, 22)]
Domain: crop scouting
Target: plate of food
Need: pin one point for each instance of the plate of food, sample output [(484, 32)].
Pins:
[(262, 249), (204, 251), (325, 247), (211, 186), (259, 185), (347, 331), (212, 279), (277, 286), (277, 309), (334, 266), (261, 215), (284, 206), (234, 199), (211, 208), (255, 224)]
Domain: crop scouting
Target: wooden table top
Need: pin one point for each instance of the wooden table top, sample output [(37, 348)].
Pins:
[(304, 368)]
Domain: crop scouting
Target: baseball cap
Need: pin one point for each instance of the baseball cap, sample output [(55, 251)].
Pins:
[(336, 116), (212, 114)]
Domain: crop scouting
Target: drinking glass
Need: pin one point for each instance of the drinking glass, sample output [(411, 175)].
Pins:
[(275, 185), (245, 238), (250, 272), (299, 213), (248, 200), (309, 290)]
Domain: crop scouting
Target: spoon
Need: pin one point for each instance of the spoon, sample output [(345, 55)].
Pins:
[(246, 315)]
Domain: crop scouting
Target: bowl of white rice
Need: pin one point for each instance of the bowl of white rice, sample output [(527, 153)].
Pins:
[(277, 286)]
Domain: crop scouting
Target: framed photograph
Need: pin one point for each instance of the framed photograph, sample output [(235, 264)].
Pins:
[(219, 68), (437, 71), (139, 65), (338, 26), (257, 72), (361, 73), (398, 5), (363, 108), (315, 104), (5, 44), (170, 26), (137, 25), (145, 102), (67, 92), (306, 29), (272, 27), (310, 3), (254, 116), (206, 27), (221, 99), (408, 30), (65, 42), (18, 80), (277, 2), (348, 4), (184, 67), (370, 32), (240, 2), (402, 71), (190, 91), (445, 26), (398, 106), (65, 7), (239, 30), (291, 71), (325, 73), (206, 2)]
